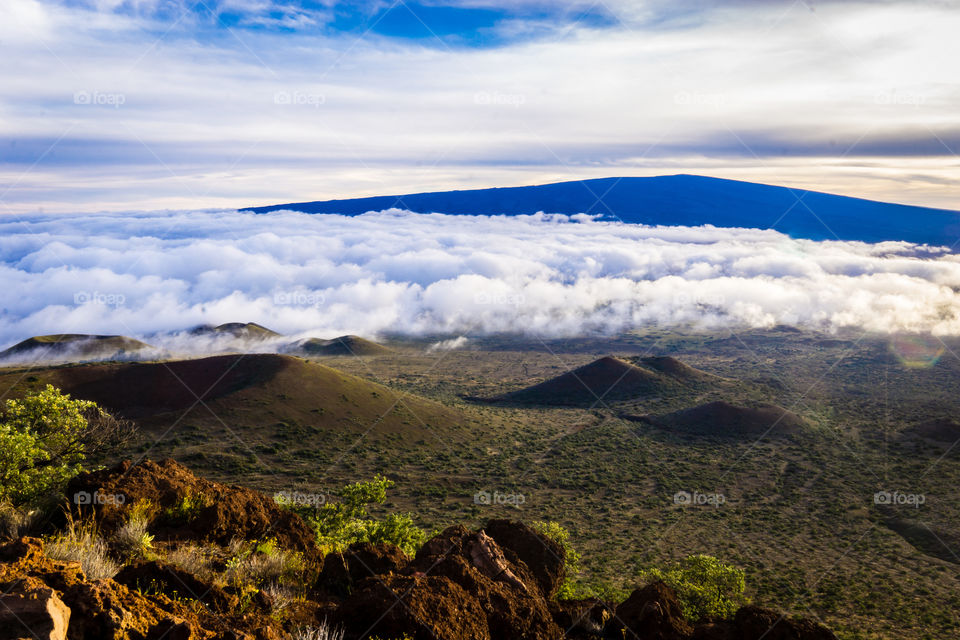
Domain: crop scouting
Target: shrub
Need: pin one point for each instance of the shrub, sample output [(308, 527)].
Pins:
[(397, 528), (322, 632), (186, 509), (194, 559), (45, 437), (571, 556), (82, 543), (259, 563), (280, 597), (340, 524), (705, 586), (133, 537)]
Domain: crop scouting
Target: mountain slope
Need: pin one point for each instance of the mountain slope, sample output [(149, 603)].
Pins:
[(251, 394), (598, 383), (943, 430), (239, 330), (681, 371), (721, 418), (342, 346), (73, 345), (679, 200)]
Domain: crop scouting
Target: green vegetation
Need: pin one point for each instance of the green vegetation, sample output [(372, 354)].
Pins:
[(132, 537), (261, 562), (561, 536), (186, 509), (706, 587), (340, 524), (42, 443), (799, 515)]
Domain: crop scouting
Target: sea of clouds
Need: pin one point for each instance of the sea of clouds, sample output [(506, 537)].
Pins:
[(145, 274)]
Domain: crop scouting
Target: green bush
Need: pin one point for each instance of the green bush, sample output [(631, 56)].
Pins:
[(571, 556), (340, 524), (705, 586), (186, 509), (45, 437), (133, 537), (41, 443)]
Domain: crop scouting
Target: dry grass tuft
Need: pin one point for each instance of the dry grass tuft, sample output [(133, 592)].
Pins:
[(82, 543)]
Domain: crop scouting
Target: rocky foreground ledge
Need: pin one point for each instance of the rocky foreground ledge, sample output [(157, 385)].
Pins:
[(495, 583)]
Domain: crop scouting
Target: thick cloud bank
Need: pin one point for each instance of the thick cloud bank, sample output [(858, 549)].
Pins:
[(325, 275)]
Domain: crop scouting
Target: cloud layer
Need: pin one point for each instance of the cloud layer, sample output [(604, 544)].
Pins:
[(398, 272)]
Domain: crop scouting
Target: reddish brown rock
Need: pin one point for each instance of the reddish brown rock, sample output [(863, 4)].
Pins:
[(581, 619), (754, 623), (542, 556), (651, 613), (716, 631), (175, 582), (108, 610), (487, 557), (33, 610), (342, 572), (223, 512), (422, 607), (512, 602)]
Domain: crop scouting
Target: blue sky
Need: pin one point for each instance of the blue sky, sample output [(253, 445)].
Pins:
[(143, 104), (438, 24)]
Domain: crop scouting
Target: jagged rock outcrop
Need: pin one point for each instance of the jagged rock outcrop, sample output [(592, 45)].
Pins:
[(498, 582), (418, 606), (650, 613), (343, 572), (653, 613), (54, 600), (220, 512), (754, 623), (31, 609), (461, 585), (544, 557)]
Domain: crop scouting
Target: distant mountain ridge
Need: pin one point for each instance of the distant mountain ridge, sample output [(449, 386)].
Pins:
[(75, 345), (686, 200), (230, 337)]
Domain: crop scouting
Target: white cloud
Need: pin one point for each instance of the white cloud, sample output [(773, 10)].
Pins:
[(449, 345), (323, 276)]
